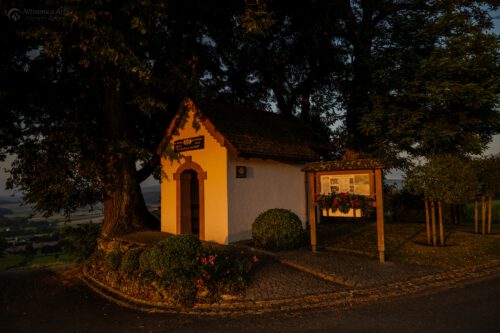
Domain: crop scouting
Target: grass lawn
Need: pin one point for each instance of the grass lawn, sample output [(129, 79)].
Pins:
[(406, 242), (16, 261)]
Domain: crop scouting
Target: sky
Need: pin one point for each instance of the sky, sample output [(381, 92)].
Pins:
[(494, 147)]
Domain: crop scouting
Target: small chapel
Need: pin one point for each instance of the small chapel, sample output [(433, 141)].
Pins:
[(230, 164)]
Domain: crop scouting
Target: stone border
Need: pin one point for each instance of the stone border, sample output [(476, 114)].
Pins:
[(334, 300)]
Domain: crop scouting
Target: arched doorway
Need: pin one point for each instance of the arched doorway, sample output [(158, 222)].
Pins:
[(190, 203), (190, 179)]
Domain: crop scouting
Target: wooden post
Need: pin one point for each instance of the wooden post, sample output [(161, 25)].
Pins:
[(483, 214), (312, 209), (490, 206), (441, 229), (476, 217), (427, 221), (433, 222), (380, 215)]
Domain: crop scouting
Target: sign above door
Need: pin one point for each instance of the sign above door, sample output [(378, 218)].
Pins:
[(189, 144)]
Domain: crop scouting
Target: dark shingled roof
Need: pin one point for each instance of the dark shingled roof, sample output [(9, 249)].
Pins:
[(357, 164), (255, 133)]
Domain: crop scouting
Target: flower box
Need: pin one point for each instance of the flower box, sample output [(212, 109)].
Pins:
[(343, 204), (350, 213)]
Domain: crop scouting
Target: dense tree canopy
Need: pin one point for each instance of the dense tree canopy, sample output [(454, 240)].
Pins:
[(86, 94), (487, 171), (94, 92), (446, 178)]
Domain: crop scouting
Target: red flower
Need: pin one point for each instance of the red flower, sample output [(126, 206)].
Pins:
[(336, 202), (211, 260), (255, 259), (200, 282), (204, 261)]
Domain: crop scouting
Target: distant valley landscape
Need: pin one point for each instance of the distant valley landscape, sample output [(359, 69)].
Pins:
[(28, 236)]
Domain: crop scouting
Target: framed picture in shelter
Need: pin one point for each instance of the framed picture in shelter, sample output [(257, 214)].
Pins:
[(352, 183)]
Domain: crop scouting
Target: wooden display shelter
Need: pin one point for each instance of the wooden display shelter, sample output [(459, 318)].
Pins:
[(342, 175)]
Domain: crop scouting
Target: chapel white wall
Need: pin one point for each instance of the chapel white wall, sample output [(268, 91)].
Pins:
[(269, 184)]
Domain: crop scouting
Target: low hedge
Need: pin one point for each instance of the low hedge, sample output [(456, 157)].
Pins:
[(130, 261), (181, 267)]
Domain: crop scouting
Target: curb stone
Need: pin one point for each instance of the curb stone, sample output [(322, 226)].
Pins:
[(332, 300)]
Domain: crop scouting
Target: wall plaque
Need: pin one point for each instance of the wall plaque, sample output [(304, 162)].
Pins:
[(241, 171), (189, 144)]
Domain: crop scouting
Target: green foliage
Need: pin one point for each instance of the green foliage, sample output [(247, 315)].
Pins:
[(174, 253), (487, 171), (277, 229), (256, 19), (113, 260), (448, 178), (403, 206), (81, 241), (131, 261), (220, 272), (183, 267), (419, 77), (144, 262), (172, 260)]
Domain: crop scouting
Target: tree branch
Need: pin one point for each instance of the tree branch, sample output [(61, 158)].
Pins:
[(148, 168)]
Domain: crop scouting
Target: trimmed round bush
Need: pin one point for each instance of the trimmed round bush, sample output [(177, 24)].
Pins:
[(174, 253), (277, 229), (173, 260), (130, 261)]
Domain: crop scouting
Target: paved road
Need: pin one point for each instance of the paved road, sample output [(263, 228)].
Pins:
[(42, 301)]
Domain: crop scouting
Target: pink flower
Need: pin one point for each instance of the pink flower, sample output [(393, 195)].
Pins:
[(255, 259), (204, 261), (211, 260), (200, 282)]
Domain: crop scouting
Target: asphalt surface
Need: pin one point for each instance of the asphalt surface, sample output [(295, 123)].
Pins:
[(44, 301)]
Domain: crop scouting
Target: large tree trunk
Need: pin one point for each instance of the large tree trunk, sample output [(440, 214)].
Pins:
[(124, 208)]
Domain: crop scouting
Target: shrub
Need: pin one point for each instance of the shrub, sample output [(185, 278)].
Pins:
[(181, 266), (223, 272), (130, 260), (174, 253), (113, 260), (81, 241), (173, 261), (277, 229), (144, 265)]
